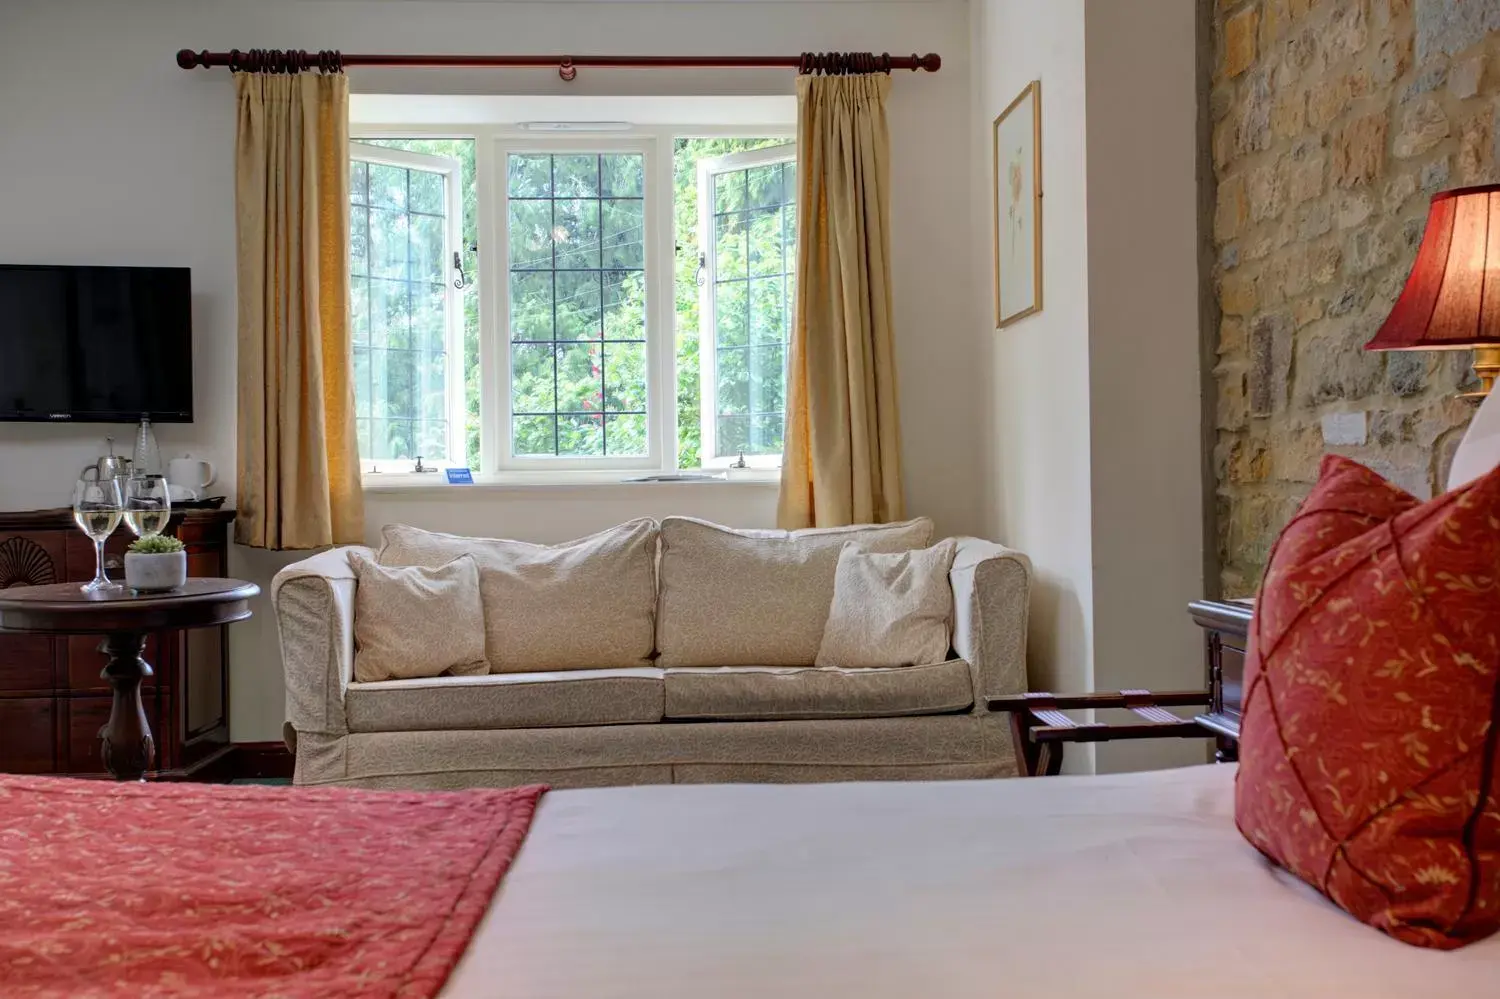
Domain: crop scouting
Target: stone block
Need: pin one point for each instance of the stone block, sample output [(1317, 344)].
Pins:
[(1359, 150), (1447, 27), (1289, 114), (1397, 191), (1392, 59), (1309, 310), (1428, 80), (1237, 294), (1345, 429), (1231, 335), (1348, 300), (1267, 190), (1313, 221), (1347, 32), (1233, 407), (1406, 372), (1465, 78), (1333, 365), (1435, 175), (1270, 363), (1368, 249), (1423, 125), (1298, 454), (1232, 211), (1353, 208), (1323, 263), (1240, 41), (1253, 122), (1476, 150)]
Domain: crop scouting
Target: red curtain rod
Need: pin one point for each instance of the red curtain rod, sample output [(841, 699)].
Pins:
[(333, 61)]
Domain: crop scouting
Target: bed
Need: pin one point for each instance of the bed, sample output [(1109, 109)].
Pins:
[(1134, 886)]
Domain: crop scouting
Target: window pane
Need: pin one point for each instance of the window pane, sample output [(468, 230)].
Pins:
[(766, 433), (575, 176), (624, 305), (729, 192), (766, 256), (729, 244), (768, 379), (575, 231), (624, 233), (387, 186), (427, 249), (731, 314), (580, 436), (585, 283), (400, 312), (532, 379), (767, 323), (764, 183), (530, 176), (734, 381), (733, 436), (580, 380), (625, 434), (530, 235), (531, 305), (625, 377), (579, 306), (534, 435), (623, 175), (427, 192)]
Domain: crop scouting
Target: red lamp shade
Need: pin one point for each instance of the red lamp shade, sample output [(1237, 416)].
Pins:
[(1452, 298)]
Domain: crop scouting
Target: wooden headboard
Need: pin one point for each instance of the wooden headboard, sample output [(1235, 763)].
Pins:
[(1226, 627)]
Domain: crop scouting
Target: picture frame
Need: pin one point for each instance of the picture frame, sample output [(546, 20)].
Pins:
[(1017, 145)]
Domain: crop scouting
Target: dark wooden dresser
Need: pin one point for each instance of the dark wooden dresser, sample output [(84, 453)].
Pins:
[(52, 699)]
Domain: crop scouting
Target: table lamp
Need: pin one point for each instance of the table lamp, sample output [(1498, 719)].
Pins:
[(1452, 297)]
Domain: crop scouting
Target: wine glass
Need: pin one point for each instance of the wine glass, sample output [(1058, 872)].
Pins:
[(97, 508), (148, 505)]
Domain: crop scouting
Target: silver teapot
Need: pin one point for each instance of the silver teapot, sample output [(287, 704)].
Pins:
[(109, 466)]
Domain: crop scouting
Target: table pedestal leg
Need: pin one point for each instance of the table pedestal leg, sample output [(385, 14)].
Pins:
[(125, 740)]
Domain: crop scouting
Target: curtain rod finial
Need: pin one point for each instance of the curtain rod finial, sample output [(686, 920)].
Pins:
[(931, 62), (187, 58)]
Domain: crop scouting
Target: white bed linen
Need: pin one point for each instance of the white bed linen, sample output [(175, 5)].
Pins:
[(1134, 886)]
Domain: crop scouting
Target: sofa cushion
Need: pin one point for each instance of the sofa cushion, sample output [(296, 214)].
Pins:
[(755, 598), (747, 693), (585, 604), (507, 700), (412, 621), (890, 608)]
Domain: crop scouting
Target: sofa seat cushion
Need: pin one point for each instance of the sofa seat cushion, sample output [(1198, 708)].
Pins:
[(508, 700), (732, 597), (764, 693)]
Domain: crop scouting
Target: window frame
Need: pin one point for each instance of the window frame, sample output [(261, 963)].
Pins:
[(491, 140), (451, 169), (707, 318), (659, 327)]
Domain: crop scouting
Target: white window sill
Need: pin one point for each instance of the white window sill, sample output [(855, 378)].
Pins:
[(431, 483)]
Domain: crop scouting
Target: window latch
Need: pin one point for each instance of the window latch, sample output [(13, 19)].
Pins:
[(702, 274), (462, 281), (423, 468)]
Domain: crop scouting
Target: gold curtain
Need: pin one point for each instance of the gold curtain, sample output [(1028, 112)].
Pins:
[(298, 453), (841, 463)]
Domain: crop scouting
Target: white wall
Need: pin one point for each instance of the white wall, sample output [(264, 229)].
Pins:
[(1037, 496), (111, 154), (1094, 402)]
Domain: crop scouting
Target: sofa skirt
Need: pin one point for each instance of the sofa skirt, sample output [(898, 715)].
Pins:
[(931, 747)]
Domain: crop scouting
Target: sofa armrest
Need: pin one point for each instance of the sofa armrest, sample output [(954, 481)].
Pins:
[(991, 597), (314, 604)]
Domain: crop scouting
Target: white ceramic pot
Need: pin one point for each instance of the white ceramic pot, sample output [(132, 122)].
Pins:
[(155, 572)]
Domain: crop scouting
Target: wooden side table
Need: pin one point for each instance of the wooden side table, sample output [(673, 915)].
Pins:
[(124, 618), (1040, 729)]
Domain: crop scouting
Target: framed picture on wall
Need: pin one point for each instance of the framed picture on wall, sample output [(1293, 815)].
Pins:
[(1018, 207)]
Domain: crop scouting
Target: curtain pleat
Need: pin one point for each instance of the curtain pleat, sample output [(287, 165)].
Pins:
[(842, 463), (298, 457)]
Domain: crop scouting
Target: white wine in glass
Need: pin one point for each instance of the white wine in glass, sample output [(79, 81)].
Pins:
[(97, 508), (148, 505)]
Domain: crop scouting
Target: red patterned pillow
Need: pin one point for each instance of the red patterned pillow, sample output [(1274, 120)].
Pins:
[(1368, 747)]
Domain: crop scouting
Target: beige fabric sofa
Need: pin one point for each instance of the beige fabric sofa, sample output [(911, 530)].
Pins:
[(659, 723)]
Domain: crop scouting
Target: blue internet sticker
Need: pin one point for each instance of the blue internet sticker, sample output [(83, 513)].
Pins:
[(459, 476)]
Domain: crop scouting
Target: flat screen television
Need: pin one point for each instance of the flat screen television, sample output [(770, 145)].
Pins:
[(95, 344)]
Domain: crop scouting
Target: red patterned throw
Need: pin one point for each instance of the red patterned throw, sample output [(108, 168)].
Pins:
[(202, 890), (1368, 746)]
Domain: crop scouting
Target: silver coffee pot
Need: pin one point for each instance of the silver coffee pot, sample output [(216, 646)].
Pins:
[(109, 465)]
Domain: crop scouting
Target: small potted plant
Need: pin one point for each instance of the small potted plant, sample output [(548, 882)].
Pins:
[(155, 563)]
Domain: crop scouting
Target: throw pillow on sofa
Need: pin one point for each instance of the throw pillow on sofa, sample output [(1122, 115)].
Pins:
[(415, 621), (584, 604), (1368, 747), (889, 609), (756, 598)]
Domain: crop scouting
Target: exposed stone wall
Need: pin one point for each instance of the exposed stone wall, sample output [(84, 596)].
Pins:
[(1333, 121)]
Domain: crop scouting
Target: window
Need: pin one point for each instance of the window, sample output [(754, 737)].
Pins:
[(535, 301), (577, 319), (407, 326), (748, 225)]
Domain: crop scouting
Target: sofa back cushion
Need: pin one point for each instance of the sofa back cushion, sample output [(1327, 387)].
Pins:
[(756, 598), (585, 604)]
